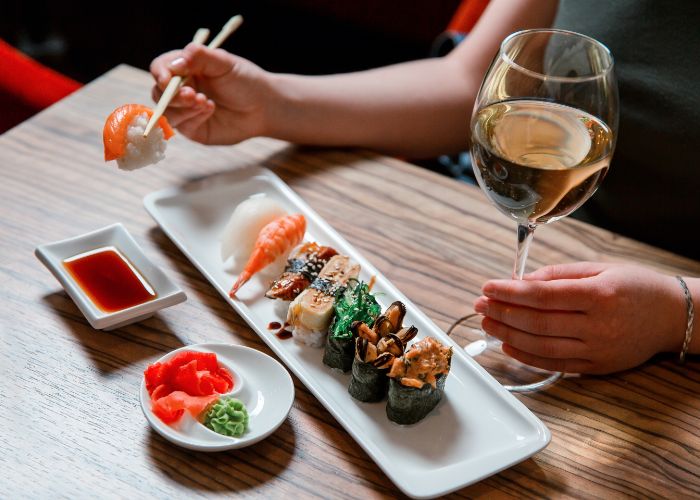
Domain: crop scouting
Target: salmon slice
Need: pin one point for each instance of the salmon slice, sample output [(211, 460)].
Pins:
[(117, 125)]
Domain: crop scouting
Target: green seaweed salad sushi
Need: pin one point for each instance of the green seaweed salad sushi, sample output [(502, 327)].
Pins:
[(417, 381), (356, 303)]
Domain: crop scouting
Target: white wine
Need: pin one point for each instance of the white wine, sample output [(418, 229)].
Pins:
[(539, 161)]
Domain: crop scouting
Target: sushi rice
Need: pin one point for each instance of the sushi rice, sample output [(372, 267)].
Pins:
[(142, 151), (305, 336)]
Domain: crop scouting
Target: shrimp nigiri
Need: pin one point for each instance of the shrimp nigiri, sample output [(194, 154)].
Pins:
[(274, 240), (243, 228), (124, 141)]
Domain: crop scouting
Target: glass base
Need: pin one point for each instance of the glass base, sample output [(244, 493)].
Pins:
[(511, 373)]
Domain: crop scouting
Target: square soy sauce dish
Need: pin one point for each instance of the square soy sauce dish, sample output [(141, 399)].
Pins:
[(109, 277)]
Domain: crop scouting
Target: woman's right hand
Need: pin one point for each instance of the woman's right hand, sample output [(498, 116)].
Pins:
[(224, 99)]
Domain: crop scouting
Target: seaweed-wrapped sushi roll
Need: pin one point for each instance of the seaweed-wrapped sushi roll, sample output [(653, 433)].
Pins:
[(417, 381), (354, 304), (376, 349)]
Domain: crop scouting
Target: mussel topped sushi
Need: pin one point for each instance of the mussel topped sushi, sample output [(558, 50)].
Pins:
[(417, 381), (376, 348)]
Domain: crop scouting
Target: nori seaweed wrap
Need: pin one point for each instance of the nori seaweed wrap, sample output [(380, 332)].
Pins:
[(354, 304), (417, 381), (339, 352), (376, 349), (368, 383), (408, 405)]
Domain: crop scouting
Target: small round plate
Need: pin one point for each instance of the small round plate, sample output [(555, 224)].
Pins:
[(260, 382)]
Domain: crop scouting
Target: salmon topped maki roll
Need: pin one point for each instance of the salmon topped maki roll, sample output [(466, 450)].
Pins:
[(417, 381)]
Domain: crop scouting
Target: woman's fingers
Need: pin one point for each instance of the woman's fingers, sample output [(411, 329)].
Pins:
[(537, 321), (567, 271), (586, 317), (185, 97), (538, 345), (160, 67), (571, 365), (180, 114), (561, 295), (194, 127)]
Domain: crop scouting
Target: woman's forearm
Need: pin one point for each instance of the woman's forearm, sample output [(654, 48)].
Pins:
[(419, 108), (416, 109)]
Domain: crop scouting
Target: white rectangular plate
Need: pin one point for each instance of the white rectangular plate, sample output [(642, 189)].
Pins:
[(477, 430)]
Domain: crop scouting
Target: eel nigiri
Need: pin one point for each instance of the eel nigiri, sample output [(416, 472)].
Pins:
[(275, 239), (124, 141), (302, 269), (311, 312)]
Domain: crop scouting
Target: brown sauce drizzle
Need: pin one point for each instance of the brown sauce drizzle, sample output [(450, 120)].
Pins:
[(283, 333)]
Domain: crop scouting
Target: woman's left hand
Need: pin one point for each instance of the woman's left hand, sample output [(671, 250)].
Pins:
[(585, 317)]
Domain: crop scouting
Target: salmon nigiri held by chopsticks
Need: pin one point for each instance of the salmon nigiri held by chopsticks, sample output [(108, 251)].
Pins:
[(275, 239), (124, 140)]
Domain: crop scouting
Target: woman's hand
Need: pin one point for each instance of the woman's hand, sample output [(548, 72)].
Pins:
[(224, 100), (585, 317)]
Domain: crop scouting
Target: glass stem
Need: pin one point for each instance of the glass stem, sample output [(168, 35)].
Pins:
[(525, 234)]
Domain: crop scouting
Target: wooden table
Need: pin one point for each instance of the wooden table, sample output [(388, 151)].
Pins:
[(70, 422)]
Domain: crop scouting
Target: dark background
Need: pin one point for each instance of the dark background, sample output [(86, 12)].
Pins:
[(84, 39)]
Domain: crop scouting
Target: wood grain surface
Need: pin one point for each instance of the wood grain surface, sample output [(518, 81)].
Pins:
[(70, 421)]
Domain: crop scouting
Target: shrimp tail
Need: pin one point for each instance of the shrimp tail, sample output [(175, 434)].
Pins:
[(242, 279), (275, 239), (257, 261)]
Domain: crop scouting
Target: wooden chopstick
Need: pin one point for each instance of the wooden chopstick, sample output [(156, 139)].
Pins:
[(173, 86), (231, 25), (177, 81)]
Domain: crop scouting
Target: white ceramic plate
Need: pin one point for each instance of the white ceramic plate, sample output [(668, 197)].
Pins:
[(52, 256), (260, 382), (477, 430)]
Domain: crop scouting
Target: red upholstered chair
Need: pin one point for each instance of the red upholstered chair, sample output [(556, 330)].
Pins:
[(27, 87), (462, 22)]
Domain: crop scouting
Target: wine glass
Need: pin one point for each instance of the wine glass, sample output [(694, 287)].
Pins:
[(543, 133)]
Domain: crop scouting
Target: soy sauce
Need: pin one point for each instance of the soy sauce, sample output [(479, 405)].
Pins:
[(283, 333), (109, 279)]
